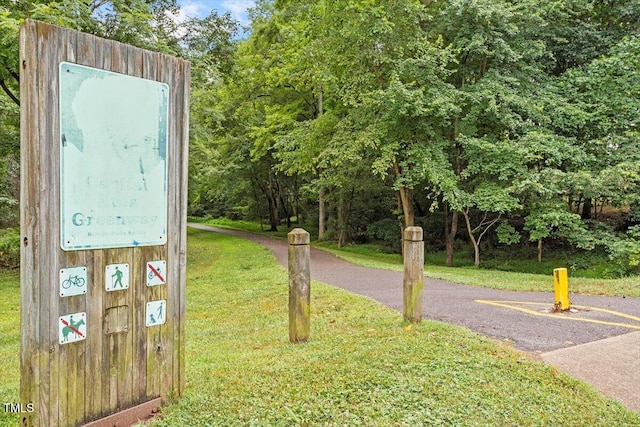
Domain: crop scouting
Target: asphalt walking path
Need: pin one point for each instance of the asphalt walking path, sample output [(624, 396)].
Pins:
[(598, 342)]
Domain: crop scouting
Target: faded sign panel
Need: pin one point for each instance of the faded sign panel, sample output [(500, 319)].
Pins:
[(113, 159)]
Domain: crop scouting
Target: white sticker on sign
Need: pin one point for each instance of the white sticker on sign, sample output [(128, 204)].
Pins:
[(156, 312), (72, 327), (116, 277), (156, 273), (73, 281)]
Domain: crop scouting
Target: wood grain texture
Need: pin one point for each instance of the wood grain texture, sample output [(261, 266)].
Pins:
[(71, 384), (413, 282), (299, 286)]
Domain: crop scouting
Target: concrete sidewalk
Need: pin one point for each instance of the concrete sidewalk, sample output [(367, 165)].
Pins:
[(605, 355), (611, 365)]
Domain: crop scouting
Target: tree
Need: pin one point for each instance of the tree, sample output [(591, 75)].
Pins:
[(500, 96), (137, 22), (393, 84)]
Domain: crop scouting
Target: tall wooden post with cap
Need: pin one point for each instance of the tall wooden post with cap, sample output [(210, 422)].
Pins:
[(299, 286), (413, 282)]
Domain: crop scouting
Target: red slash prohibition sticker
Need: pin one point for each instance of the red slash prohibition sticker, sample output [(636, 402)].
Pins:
[(72, 328), (156, 273)]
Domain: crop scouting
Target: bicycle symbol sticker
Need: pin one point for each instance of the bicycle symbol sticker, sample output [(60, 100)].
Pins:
[(156, 273), (73, 281), (72, 327), (156, 312), (116, 277)]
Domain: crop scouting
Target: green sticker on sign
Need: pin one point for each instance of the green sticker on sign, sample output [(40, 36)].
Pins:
[(113, 159), (116, 277)]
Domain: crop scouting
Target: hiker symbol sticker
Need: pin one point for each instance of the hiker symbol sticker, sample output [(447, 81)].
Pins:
[(156, 273), (72, 327), (156, 312), (116, 277)]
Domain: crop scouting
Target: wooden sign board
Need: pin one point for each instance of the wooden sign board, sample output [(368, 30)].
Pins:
[(104, 147)]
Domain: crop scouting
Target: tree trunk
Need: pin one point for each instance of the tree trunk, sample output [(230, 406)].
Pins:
[(540, 249), (586, 208), (450, 234), (474, 242), (342, 221), (344, 213), (274, 219), (406, 198), (322, 228), (576, 207), (285, 209), (273, 214), (258, 204), (321, 214)]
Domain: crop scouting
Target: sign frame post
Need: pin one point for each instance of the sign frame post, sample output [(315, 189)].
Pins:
[(121, 362)]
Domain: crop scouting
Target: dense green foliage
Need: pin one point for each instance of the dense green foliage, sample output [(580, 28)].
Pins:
[(488, 123), (516, 121), (150, 24), (9, 248)]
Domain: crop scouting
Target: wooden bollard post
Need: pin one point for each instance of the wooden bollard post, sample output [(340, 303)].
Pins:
[(413, 283), (299, 285)]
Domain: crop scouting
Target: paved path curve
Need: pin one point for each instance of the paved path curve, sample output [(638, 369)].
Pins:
[(559, 339)]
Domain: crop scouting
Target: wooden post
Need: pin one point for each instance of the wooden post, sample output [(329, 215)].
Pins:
[(413, 282), (299, 286)]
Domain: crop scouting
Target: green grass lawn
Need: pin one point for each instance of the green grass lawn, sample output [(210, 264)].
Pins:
[(362, 366), (9, 344)]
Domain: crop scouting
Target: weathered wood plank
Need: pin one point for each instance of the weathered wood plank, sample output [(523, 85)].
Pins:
[(31, 355), (47, 210), (96, 380), (138, 325), (168, 330), (182, 73), (161, 336), (156, 344), (73, 48)]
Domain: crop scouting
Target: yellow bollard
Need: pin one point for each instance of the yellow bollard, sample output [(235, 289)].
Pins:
[(561, 287)]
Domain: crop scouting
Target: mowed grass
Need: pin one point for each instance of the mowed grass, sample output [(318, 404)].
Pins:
[(9, 345), (363, 366)]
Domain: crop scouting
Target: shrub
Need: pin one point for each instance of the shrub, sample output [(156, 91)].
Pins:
[(10, 248), (625, 253), (387, 231), (9, 212)]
